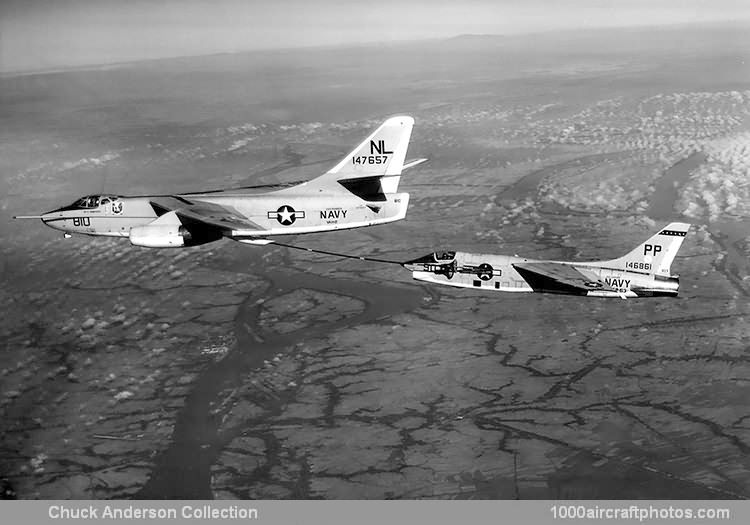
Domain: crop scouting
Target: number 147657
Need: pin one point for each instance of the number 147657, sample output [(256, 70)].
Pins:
[(370, 159)]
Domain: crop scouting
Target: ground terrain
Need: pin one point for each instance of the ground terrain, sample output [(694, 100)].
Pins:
[(230, 371)]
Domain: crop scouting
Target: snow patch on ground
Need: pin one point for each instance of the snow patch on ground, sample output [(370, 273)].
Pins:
[(125, 394), (91, 161), (656, 132), (721, 186)]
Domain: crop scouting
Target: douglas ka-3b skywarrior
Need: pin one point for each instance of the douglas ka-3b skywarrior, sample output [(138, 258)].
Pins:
[(361, 190), (644, 272)]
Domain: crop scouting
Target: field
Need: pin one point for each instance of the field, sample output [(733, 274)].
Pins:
[(230, 371)]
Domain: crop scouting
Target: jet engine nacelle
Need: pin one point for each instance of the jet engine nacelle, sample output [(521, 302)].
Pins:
[(160, 236)]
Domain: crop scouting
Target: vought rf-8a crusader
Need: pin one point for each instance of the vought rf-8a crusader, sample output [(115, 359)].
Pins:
[(644, 272), (361, 190)]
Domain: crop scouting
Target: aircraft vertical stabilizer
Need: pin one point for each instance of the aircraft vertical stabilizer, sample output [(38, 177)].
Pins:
[(657, 253), (374, 167)]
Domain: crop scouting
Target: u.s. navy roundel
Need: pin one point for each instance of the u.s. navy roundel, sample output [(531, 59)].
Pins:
[(286, 215), (485, 271)]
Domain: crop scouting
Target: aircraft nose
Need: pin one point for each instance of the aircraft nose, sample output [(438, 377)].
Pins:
[(48, 218)]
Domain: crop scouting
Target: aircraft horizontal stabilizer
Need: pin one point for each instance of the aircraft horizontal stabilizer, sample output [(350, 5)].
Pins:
[(411, 163)]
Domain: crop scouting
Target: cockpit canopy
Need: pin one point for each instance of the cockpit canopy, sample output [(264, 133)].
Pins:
[(442, 257), (445, 256), (93, 201), (439, 263)]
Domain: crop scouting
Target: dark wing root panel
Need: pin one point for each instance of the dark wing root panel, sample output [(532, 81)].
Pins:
[(543, 283), (366, 188), (159, 209), (203, 221), (195, 232), (199, 232)]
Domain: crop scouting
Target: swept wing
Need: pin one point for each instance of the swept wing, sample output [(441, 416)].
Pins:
[(560, 278), (228, 221)]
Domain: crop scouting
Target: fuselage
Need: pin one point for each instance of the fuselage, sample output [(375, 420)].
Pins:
[(496, 272), (274, 213)]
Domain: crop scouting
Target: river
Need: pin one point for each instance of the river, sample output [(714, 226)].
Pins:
[(182, 471)]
